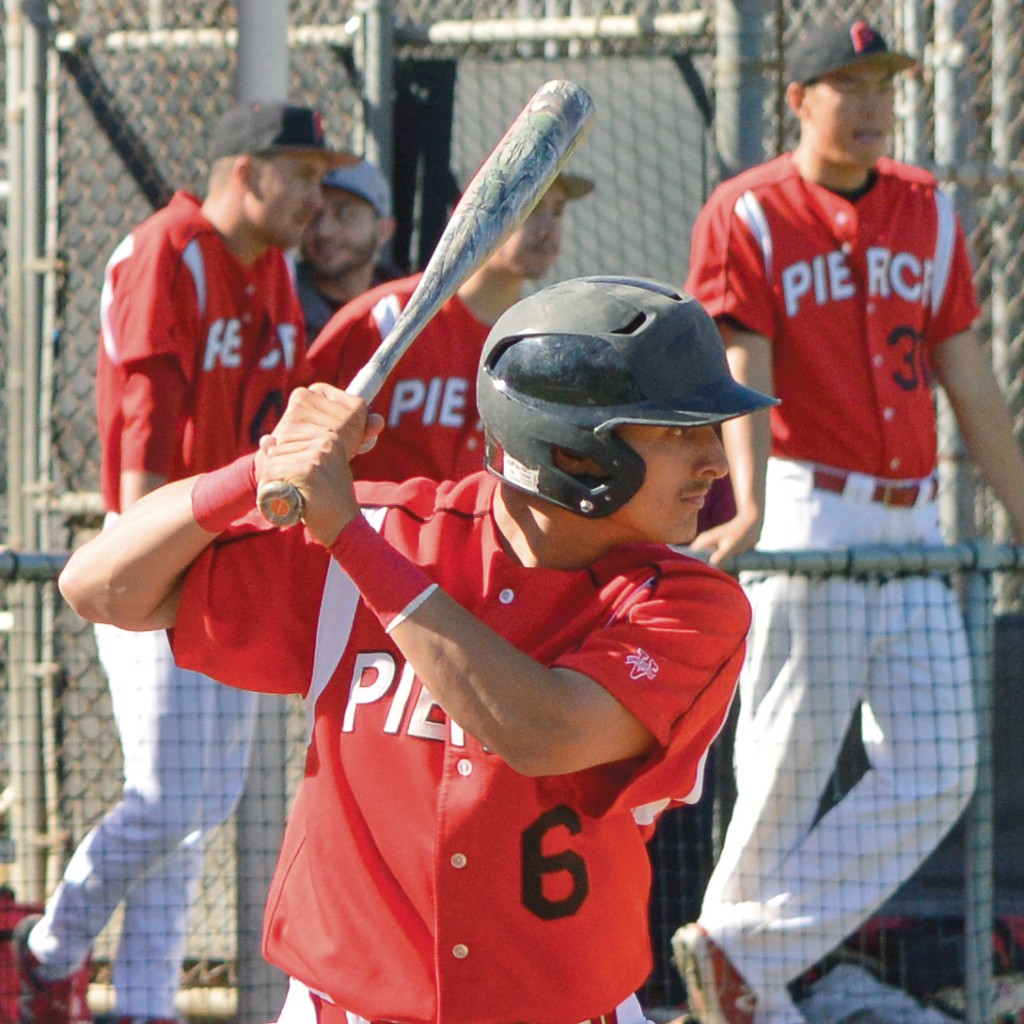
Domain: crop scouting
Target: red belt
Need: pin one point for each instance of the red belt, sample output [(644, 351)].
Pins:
[(899, 495)]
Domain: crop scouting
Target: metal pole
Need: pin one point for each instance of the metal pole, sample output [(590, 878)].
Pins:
[(1007, 95), (28, 808), (262, 69), (979, 831), (911, 113), (377, 58), (39, 325), (956, 496), (262, 73), (740, 84)]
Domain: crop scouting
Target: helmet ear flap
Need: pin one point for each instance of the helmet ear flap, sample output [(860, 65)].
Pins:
[(535, 469)]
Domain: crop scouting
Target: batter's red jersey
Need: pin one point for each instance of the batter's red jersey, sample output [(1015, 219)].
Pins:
[(854, 298), (174, 294), (428, 401), (421, 879)]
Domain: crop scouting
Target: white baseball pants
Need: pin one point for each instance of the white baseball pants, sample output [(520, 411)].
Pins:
[(300, 1007), (788, 889), (185, 740)]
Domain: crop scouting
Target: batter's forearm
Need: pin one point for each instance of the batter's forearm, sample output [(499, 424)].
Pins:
[(541, 721), (130, 574)]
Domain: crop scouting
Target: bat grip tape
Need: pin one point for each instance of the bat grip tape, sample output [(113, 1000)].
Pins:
[(392, 586)]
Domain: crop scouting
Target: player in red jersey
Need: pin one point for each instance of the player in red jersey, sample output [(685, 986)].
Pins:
[(507, 678), (841, 283), (201, 336), (432, 422)]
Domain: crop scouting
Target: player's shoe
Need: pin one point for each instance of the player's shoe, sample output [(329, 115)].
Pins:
[(716, 991), (41, 1001)]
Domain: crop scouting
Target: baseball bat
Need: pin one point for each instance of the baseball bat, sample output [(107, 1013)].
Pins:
[(502, 194)]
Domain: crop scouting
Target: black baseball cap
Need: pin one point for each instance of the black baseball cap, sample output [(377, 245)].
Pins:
[(841, 44), (265, 129)]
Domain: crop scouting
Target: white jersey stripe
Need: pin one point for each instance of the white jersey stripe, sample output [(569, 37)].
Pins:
[(385, 313), (334, 626), (124, 250), (945, 242), (749, 210), (192, 257)]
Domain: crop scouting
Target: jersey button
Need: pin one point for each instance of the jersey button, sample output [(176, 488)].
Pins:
[(458, 860), (894, 464), (507, 596), (890, 413), (464, 767), (460, 951)]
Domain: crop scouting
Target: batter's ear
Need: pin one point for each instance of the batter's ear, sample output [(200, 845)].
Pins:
[(576, 465)]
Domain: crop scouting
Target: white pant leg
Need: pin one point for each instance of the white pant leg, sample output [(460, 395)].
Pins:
[(185, 740), (783, 894), (154, 931), (298, 1008), (789, 732)]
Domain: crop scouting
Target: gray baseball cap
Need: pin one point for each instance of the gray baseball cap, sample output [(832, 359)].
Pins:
[(364, 180)]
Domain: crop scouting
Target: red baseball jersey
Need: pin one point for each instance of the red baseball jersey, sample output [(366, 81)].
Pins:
[(854, 298), (421, 879), (218, 342), (428, 401)]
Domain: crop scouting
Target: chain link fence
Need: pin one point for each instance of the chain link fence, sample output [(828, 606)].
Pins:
[(109, 108)]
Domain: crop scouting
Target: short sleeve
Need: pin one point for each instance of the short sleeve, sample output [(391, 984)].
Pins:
[(249, 608), (672, 658), (727, 269)]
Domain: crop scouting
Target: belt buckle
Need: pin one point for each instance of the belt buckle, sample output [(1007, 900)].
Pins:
[(900, 495), (885, 497)]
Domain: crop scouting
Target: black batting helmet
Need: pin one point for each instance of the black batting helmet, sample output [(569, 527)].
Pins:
[(564, 367)]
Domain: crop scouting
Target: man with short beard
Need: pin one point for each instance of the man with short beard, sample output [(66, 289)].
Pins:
[(340, 253)]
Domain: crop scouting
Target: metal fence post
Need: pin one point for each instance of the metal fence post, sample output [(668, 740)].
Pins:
[(739, 84), (956, 495), (262, 74), (979, 832), (375, 53), (1007, 273), (28, 809)]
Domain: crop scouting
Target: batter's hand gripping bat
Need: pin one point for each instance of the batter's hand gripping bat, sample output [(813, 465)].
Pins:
[(502, 194)]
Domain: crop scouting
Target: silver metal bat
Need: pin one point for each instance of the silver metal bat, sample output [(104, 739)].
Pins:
[(502, 194)]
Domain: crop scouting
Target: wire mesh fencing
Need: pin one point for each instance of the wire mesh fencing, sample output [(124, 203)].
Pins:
[(129, 92)]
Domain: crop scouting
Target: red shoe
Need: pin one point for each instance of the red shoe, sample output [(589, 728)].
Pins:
[(716, 991), (41, 1001)]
